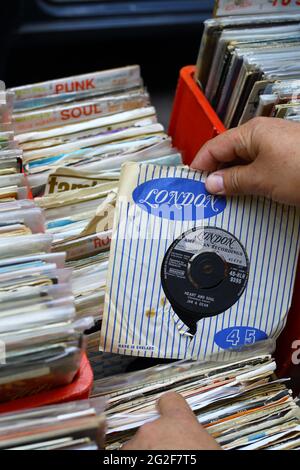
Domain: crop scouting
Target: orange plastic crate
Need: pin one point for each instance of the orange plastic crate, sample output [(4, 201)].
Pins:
[(193, 123)]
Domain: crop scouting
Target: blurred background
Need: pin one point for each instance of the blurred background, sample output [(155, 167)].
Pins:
[(45, 39)]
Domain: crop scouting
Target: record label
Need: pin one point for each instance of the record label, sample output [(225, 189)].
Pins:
[(204, 273)]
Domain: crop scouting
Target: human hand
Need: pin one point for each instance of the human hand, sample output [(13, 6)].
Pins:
[(176, 429), (261, 157)]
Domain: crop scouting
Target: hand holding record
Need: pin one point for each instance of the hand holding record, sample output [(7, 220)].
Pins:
[(259, 158)]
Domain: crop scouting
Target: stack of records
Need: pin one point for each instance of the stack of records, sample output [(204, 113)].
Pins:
[(248, 66), (240, 402), (12, 181), (98, 119), (41, 342), (75, 134), (69, 426)]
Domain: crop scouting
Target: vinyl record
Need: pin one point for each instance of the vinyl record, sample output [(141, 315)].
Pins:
[(204, 273)]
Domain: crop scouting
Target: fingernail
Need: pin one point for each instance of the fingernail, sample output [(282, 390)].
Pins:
[(215, 184)]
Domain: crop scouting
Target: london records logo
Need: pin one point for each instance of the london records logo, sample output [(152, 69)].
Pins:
[(178, 199)]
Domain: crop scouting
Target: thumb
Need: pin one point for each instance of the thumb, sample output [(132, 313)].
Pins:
[(236, 180), (172, 405)]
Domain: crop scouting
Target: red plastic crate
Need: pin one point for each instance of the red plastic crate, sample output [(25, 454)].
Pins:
[(193, 123), (79, 389)]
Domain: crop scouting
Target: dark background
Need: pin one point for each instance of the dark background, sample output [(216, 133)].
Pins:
[(45, 39)]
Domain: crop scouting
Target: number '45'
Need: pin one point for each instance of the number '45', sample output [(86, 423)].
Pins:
[(234, 337)]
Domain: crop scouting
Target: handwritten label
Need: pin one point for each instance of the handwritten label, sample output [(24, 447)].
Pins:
[(232, 7)]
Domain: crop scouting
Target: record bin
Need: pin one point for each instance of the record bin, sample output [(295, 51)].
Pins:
[(194, 122)]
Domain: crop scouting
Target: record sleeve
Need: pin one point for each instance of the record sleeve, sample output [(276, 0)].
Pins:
[(191, 274)]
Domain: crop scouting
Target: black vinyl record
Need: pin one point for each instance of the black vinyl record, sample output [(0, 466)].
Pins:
[(204, 272)]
